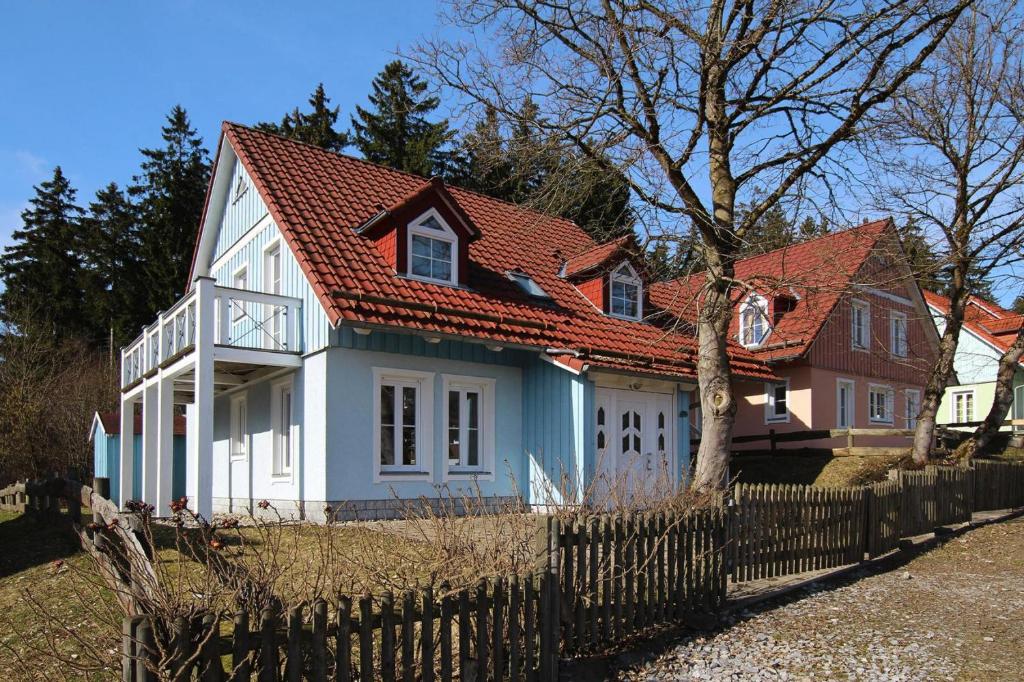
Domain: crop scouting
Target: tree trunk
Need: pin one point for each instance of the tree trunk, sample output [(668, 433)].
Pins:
[(939, 378), (1008, 364), (714, 378)]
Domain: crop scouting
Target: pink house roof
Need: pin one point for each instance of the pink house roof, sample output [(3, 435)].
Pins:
[(812, 276), (318, 199)]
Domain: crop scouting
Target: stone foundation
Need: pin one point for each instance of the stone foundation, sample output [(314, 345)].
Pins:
[(350, 510)]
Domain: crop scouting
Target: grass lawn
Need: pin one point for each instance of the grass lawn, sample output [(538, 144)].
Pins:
[(42, 580)]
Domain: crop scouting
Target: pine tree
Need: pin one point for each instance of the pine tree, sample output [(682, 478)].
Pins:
[(42, 271), (773, 231), (316, 127), (110, 248), (170, 192), (396, 133), (923, 262)]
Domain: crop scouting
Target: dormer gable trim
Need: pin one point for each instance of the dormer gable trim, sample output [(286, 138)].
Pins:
[(431, 194)]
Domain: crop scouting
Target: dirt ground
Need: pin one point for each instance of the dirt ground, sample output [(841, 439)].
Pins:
[(954, 612)]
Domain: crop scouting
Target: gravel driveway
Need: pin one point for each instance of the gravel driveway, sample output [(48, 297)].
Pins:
[(952, 613)]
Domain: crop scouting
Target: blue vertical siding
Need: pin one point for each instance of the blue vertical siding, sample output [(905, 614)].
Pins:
[(239, 216), (683, 437), (293, 282), (107, 463), (409, 344), (557, 427)]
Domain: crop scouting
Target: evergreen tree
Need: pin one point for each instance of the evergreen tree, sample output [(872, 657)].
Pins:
[(925, 265), (1018, 305), (170, 192), (773, 231), (396, 133), (42, 271), (110, 248), (316, 127)]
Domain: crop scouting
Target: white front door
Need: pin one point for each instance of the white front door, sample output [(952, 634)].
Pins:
[(635, 436)]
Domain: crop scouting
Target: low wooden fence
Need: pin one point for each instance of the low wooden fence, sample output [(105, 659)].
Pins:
[(622, 574), (848, 437), (600, 579), (492, 632)]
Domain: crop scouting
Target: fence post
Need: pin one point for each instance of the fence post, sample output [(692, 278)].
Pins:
[(550, 605)]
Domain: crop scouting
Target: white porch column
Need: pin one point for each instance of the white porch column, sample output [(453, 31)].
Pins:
[(150, 419), (164, 446), (127, 474), (200, 448)]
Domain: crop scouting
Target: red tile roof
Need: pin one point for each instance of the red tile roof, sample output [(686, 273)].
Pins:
[(111, 422), (594, 257), (814, 275), (318, 198), (986, 320)]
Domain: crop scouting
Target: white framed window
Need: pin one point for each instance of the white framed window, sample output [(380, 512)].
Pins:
[(880, 404), (860, 325), (846, 392), (776, 406), (283, 426), (754, 326), (469, 426), (898, 334), (963, 406), (912, 403), (626, 293), (272, 314), (239, 444), (433, 249), (239, 280), (403, 414)]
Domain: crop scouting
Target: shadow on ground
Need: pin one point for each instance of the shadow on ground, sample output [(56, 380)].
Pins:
[(27, 541)]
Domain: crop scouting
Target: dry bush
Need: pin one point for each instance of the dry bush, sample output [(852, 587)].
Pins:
[(49, 391)]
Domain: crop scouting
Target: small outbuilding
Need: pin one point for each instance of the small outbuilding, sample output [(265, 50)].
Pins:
[(105, 435)]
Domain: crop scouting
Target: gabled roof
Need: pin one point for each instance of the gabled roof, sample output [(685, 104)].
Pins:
[(595, 258), (110, 422), (988, 321), (319, 199), (815, 274)]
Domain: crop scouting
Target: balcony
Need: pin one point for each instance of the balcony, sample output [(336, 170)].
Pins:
[(243, 330)]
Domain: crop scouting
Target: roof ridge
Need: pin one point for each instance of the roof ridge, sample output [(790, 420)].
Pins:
[(390, 169), (829, 235)]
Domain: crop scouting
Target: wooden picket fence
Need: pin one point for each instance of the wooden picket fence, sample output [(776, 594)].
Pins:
[(600, 579), (491, 632), (780, 530), (622, 574)]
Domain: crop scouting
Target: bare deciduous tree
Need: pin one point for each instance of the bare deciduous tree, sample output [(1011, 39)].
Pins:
[(956, 167), (1009, 362), (704, 106)]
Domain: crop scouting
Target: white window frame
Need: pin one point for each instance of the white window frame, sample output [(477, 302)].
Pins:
[(899, 351), (240, 281), (851, 404), (486, 440), (911, 416), (865, 308), (632, 279), (770, 417), (952, 405), (238, 441), (760, 305), (281, 467), (272, 323), (424, 383), (887, 392), (415, 228)]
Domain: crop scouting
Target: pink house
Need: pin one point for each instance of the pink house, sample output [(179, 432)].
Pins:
[(842, 322)]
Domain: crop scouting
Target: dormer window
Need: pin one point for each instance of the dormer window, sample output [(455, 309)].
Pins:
[(626, 290), (433, 249), (754, 326)]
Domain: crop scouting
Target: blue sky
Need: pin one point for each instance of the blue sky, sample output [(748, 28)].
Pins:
[(87, 83)]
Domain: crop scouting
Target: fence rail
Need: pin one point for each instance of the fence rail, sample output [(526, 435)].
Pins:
[(599, 580)]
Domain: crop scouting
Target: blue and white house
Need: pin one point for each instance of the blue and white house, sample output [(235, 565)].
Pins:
[(352, 335)]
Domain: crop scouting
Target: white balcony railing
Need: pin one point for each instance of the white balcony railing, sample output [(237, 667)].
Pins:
[(241, 319)]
